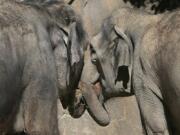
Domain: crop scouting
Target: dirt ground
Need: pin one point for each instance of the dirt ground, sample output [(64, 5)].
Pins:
[(125, 120)]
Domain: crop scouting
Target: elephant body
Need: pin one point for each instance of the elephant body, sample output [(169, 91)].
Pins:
[(146, 47), (26, 58), (35, 64), (159, 53)]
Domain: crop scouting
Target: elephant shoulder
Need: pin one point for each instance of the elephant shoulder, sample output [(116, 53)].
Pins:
[(169, 29), (149, 43)]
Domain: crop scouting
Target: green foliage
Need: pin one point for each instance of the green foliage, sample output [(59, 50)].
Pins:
[(158, 6)]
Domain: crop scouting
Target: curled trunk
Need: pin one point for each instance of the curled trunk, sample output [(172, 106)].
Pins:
[(95, 108)]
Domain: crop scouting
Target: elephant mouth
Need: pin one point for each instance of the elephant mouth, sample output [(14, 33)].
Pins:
[(92, 94), (80, 104), (96, 86)]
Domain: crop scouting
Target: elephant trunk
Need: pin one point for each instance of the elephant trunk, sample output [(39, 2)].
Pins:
[(77, 108), (95, 108)]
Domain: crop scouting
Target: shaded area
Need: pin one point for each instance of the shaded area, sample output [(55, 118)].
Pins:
[(158, 6)]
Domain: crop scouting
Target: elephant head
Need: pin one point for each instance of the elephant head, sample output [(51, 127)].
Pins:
[(68, 40), (113, 56), (68, 53)]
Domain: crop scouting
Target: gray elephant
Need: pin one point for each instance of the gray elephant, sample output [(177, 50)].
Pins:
[(139, 51), (41, 56)]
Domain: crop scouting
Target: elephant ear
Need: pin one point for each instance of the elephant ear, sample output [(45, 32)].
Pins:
[(58, 38), (123, 54), (75, 49), (74, 45)]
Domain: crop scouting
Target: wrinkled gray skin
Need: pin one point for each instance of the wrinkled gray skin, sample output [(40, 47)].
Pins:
[(148, 47), (36, 64), (93, 13)]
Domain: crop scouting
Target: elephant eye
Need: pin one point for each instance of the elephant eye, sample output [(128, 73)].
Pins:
[(93, 55), (94, 58), (94, 61)]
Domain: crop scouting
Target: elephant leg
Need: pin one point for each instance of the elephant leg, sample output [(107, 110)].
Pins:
[(40, 108), (152, 112), (150, 131)]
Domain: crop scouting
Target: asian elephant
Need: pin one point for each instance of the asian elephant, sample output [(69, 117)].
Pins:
[(140, 52), (41, 58)]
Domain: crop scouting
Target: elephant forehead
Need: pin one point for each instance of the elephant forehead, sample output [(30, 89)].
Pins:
[(100, 50), (89, 73), (101, 45)]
